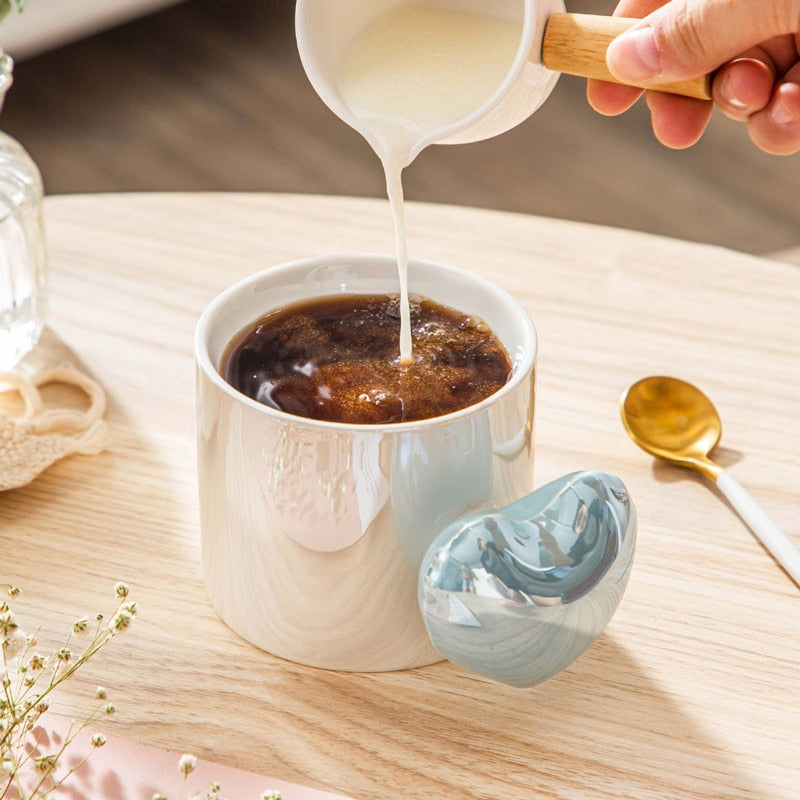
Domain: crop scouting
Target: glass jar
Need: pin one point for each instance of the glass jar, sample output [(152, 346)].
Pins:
[(23, 264)]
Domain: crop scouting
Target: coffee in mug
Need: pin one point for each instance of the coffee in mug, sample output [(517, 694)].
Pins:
[(337, 359)]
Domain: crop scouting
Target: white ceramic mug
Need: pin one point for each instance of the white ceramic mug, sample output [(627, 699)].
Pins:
[(313, 532)]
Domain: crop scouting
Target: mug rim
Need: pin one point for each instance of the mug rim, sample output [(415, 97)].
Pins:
[(520, 369)]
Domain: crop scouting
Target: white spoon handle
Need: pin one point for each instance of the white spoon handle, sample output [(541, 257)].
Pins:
[(772, 537)]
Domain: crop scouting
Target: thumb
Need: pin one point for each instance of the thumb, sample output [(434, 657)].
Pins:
[(686, 38)]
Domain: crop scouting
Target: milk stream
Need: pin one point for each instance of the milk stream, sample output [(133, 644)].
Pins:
[(415, 71)]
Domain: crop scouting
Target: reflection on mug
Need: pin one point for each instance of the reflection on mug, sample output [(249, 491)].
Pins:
[(438, 474)]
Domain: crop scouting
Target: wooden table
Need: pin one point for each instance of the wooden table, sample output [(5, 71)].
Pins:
[(694, 689)]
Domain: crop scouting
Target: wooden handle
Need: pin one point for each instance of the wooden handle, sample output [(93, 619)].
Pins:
[(577, 44)]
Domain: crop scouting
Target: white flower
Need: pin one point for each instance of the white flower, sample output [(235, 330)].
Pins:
[(123, 618), (187, 763), (80, 625), (37, 662), (45, 764), (98, 740), (7, 622), (64, 655), (120, 621), (14, 644)]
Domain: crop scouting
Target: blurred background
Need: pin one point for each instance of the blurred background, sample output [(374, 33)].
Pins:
[(209, 95)]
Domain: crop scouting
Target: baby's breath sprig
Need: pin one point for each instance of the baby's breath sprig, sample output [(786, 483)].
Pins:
[(31, 766), (186, 765)]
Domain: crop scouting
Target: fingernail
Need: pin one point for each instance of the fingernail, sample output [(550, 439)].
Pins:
[(729, 94), (780, 112), (634, 56)]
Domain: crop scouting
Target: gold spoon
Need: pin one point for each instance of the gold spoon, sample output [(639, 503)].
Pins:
[(673, 420)]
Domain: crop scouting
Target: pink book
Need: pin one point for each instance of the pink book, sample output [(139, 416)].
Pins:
[(126, 770)]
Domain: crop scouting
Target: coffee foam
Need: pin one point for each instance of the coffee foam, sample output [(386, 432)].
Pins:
[(337, 359)]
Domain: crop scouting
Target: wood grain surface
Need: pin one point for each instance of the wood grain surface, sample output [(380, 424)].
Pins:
[(692, 690)]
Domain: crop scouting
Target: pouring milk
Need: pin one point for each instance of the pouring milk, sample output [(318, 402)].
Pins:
[(413, 71)]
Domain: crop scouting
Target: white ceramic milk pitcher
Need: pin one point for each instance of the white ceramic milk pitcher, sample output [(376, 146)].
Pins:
[(550, 42)]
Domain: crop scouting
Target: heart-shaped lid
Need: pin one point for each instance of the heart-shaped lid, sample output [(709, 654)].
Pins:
[(518, 593)]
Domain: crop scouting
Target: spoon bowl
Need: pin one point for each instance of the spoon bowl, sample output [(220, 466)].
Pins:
[(673, 420)]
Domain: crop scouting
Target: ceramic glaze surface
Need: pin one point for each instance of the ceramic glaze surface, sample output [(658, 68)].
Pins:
[(518, 593), (313, 532)]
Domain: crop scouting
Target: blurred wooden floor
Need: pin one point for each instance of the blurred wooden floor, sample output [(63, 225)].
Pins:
[(209, 95)]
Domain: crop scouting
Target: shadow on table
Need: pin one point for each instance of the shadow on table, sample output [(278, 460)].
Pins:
[(602, 728), (670, 473)]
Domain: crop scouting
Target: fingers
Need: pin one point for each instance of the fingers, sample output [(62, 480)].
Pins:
[(743, 91), (686, 38), (776, 129), (743, 87), (610, 98), (637, 8), (678, 122), (755, 41)]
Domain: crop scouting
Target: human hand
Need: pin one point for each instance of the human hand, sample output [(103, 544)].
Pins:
[(753, 44)]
